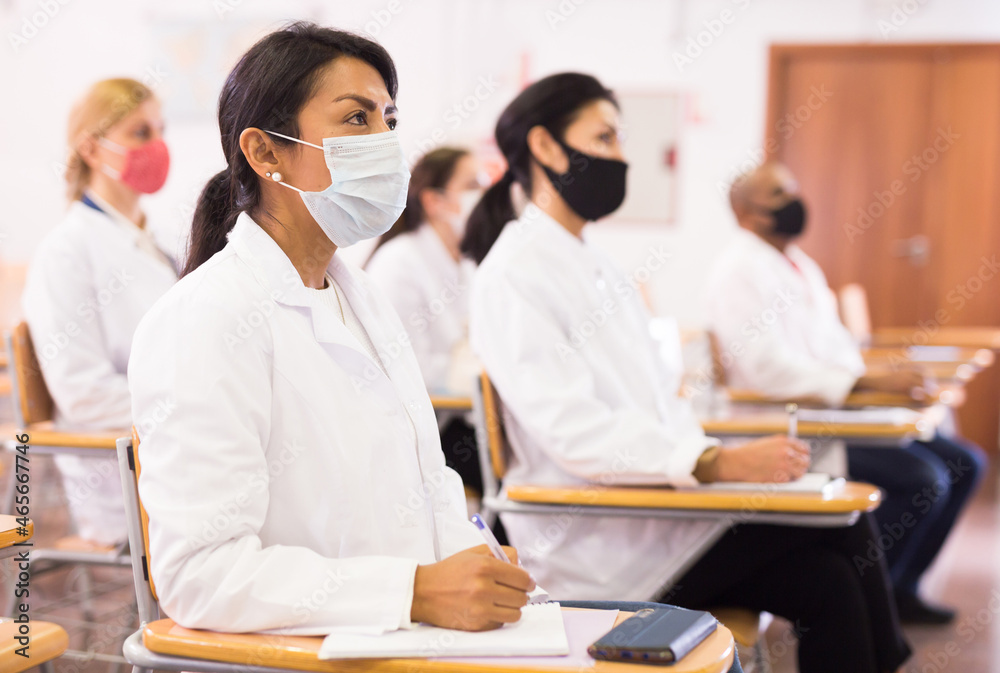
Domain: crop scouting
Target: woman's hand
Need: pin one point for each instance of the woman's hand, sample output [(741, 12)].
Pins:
[(774, 459), (471, 591)]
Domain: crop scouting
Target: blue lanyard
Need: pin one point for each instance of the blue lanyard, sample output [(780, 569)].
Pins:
[(86, 200)]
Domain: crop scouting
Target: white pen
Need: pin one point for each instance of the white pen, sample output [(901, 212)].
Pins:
[(491, 540), (793, 419)]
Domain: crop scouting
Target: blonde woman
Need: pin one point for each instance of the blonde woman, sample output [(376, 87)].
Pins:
[(92, 279)]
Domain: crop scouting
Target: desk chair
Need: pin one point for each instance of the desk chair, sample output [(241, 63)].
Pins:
[(34, 410), (726, 509), (46, 641), (162, 645)]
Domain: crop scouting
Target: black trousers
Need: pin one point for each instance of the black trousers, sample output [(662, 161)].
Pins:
[(458, 441), (839, 602), (926, 485)]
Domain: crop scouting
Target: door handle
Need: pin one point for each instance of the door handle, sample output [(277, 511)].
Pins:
[(916, 248)]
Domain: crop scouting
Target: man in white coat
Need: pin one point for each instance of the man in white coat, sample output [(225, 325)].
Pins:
[(779, 332)]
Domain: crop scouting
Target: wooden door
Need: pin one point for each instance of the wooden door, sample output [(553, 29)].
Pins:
[(897, 150)]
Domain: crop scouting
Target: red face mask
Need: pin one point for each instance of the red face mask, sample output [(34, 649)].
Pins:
[(146, 166)]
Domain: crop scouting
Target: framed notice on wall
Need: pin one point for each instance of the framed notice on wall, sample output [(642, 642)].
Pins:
[(651, 121)]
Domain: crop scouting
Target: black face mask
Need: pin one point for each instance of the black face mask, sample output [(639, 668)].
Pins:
[(790, 219), (593, 187)]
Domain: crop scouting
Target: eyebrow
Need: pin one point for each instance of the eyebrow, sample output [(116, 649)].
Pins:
[(366, 103)]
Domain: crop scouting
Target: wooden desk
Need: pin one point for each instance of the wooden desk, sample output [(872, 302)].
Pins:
[(451, 403), (47, 641), (714, 655), (980, 357), (9, 535), (965, 337), (44, 435), (941, 372), (759, 420), (951, 395), (854, 497)]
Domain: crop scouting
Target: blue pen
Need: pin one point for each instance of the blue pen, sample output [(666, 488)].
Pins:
[(491, 540)]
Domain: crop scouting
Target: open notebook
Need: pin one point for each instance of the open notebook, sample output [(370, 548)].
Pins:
[(811, 482), (540, 632)]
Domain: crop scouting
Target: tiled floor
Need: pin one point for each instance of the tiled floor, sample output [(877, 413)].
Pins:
[(56, 595), (967, 575)]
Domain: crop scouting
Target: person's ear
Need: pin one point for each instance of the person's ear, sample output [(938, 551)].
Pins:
[(86, 147), (258, 148), (546, 150), (430, 203)]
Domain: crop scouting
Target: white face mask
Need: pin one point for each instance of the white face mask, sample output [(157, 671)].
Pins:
[(467, 201), (368, 186)]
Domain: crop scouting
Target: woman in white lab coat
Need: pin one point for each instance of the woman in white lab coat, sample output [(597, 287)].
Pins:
[(418, 265), (565, 339), (296, 481), (91, 280)]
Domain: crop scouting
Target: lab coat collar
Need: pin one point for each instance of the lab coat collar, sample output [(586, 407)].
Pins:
[(138, 236), (272, 269), (762, 247)]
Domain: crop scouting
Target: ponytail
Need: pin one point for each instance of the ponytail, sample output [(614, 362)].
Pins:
[(488, 218), (214, 217)]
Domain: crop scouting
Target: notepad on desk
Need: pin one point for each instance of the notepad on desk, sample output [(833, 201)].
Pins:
[(539, 632), (811, 482)]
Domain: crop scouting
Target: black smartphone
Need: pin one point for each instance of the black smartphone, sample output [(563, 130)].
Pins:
[(654, 636)]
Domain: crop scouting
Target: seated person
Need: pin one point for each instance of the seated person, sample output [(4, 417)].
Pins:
[(588, 400), (298, 482), (805, 351), (418, 266), (91, 280)]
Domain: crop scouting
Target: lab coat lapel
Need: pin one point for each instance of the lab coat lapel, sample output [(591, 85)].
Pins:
[(272, 269), (390, 346)]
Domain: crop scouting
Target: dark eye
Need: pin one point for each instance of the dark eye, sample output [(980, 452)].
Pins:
[(391, 123), (358, 118)]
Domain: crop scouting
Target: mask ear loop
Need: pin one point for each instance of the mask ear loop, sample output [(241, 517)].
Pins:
[(277, 176), (117, 149)]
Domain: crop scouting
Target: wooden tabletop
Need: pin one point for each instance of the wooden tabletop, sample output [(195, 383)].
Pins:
[(965, 337), (753, 420), (451, 403), (11, 531), (853, 497), (952, 395), (980, 357), (45, 434), (46, 642), (713, 655)]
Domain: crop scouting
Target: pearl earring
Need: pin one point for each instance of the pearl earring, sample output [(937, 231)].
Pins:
[(276, 177)]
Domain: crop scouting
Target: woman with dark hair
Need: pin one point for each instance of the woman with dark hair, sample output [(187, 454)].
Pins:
[(588, 399), (291, 467), (419, 267)]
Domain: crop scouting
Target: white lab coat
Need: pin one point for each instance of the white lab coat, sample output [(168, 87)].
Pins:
[(290, 483), (778, 328), (430, 291), (586, 399), (91, 280)]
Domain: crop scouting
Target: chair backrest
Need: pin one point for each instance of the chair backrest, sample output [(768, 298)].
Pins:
[(854, 313), (138, 528), (497, 443), (32, 401), (718, 369), (490, 436)]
